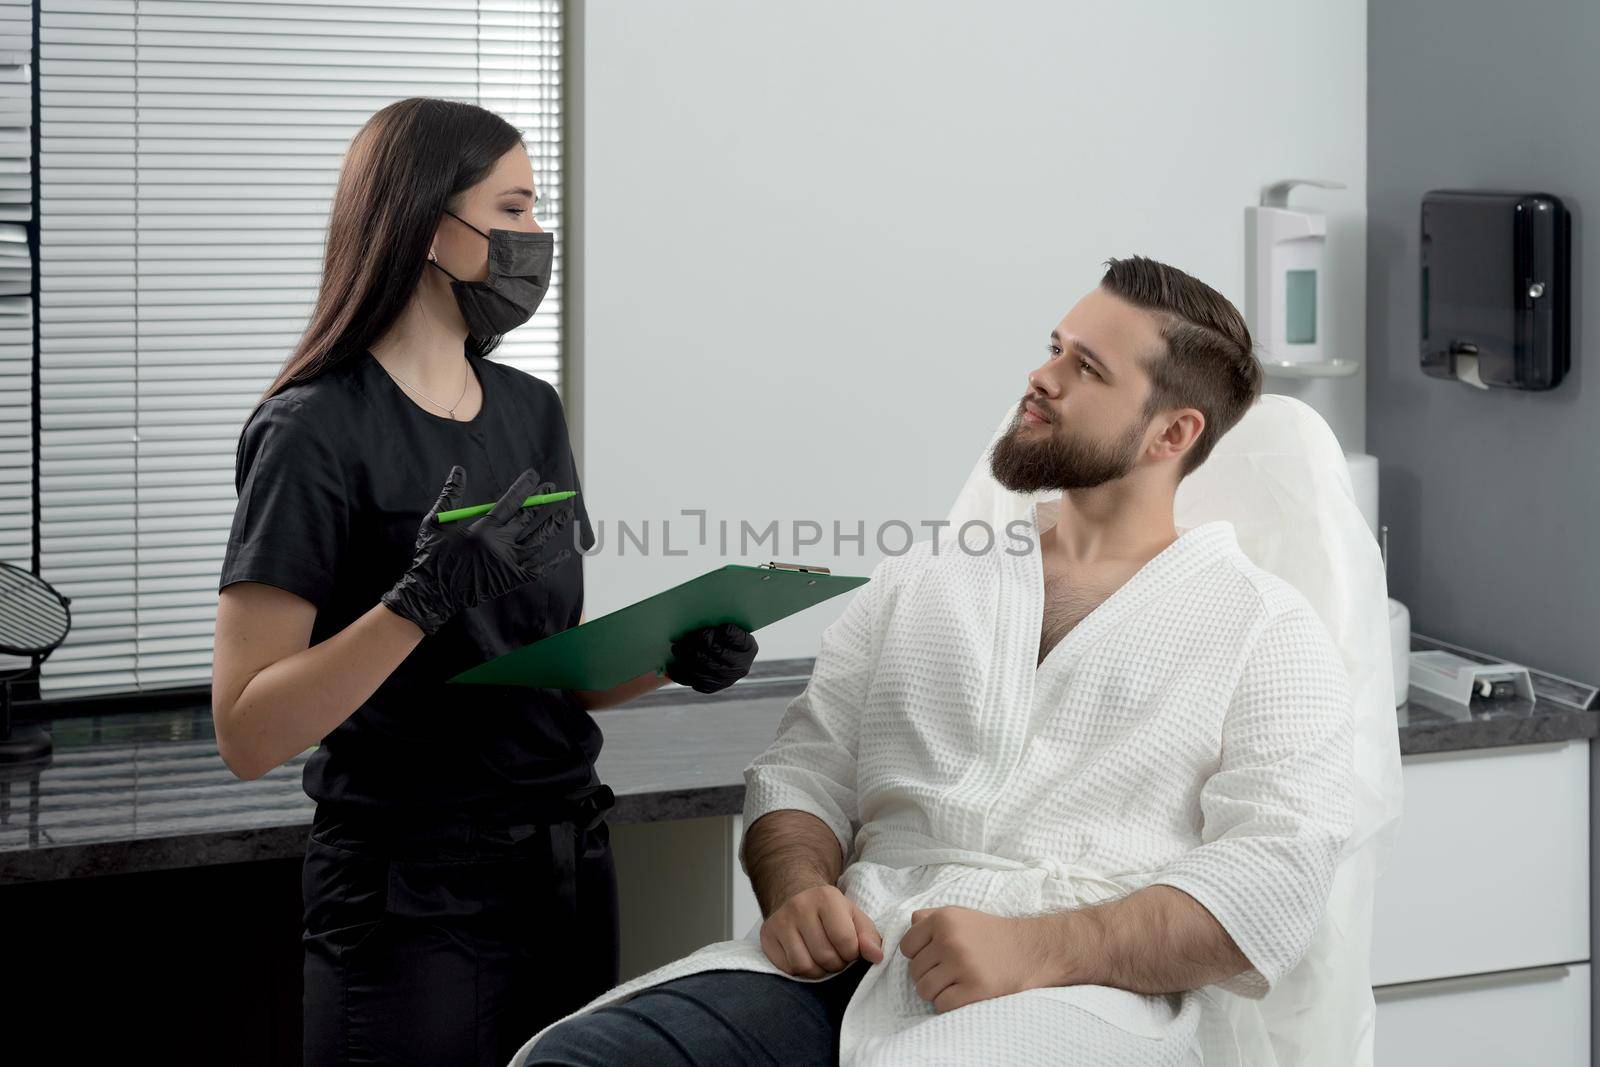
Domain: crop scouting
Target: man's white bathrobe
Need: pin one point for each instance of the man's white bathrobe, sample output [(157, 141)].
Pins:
[(1193, 730)]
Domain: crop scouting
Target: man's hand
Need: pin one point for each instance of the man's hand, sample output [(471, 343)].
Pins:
[(819, 931), (958, 956)]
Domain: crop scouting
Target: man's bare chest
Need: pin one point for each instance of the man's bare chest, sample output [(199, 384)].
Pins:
[(1071, 593)]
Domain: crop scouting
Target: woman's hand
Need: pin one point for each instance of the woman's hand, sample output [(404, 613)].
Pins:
[(458, 565), (712, 658), (708, 659)]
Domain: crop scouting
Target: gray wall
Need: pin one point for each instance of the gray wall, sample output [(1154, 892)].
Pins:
[(1492, 499)]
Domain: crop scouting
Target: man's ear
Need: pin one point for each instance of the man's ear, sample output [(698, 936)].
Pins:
[(1183, 429)]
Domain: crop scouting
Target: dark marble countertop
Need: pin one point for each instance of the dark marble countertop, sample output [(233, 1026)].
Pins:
[(147, 790), (1433, 724)]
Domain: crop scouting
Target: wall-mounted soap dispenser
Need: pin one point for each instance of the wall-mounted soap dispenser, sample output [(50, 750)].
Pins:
[(1495, 288), (1285, 296)]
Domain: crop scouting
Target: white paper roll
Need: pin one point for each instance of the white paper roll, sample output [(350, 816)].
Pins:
[(1364, 480)]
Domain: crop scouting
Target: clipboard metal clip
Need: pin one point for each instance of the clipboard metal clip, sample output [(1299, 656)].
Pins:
[(804, 569)]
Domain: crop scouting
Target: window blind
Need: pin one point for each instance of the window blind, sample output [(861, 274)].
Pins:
[(16, 292), (189, 151)]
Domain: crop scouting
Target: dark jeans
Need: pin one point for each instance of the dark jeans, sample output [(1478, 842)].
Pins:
[(451, 945), (711, 1019)]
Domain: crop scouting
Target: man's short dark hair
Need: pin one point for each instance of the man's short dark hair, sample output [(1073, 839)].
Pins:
[(1209, 364)]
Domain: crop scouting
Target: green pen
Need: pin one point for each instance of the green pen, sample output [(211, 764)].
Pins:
[(484, 509)]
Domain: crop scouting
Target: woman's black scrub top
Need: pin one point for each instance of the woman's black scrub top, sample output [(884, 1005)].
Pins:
[(334, 476)]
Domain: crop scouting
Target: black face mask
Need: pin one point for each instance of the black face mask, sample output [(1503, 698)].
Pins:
[(519, 274)]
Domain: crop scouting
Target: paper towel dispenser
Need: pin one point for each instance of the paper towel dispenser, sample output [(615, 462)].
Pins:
[(1495, 288)]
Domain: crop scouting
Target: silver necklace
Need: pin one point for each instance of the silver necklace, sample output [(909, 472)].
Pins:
[(452, 408)]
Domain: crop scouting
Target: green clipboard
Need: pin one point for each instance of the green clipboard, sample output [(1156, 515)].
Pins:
[(637, 639)]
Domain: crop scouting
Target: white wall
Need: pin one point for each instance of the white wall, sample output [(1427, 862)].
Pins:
[(823, 243)]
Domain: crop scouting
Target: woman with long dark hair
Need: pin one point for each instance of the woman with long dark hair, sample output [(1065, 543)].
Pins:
[(458, 884)]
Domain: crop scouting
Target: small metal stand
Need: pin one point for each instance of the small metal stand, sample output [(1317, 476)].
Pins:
[(25, 752), (21, 743), (34, 620)]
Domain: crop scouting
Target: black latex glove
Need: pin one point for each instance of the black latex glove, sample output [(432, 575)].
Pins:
[(459, 564), (712, 658)]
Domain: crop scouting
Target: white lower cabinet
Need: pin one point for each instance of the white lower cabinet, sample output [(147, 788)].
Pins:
[(1480, 941), (680, 888), (1510, 1019), (673, 895), (1490, 871), (744, 909)]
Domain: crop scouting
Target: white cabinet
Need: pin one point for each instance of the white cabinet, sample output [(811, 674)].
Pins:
[(743, 907), (1480, 944), (1491, 868), (680, 888), (1539, 1016), (673, 888)]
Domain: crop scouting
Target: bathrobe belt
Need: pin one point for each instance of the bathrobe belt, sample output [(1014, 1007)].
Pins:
[(911, 850)]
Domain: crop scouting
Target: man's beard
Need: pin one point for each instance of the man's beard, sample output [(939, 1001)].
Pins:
[(1060, 462)]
